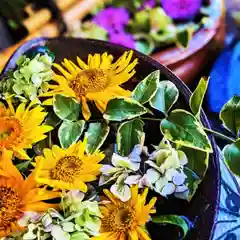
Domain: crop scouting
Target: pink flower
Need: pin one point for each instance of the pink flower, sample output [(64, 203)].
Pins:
[(112, 19), (181, 9), (123, 39)]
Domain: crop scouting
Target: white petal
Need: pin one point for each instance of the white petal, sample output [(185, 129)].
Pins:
[(27, 217), (171, 161), (102, 180), (179, 179), (152, 175), (168, 189), (182, 195), (182, 157), (153, 155), (48, 228), (55, 214), (134, 179), (136, 152), (123, 192), (181, 188), (68, 227), (107, 169), (59, 234), (152, 164), (46, 220), (29, 236), (143, 182), (122, 178), (75, 194), (170, 173), (117, 158), (160, 184)]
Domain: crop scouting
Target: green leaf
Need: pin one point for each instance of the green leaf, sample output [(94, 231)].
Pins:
[(173, 220), (197, 97), (24, 166), (230, 114), (231, 153), (197, 160), (184, 36), (69, 132), (119, 109), (166, 95), (192, 182), (129, 134), (66, 108), (96, 135), (52, 119), (182, 128), (147, 88)]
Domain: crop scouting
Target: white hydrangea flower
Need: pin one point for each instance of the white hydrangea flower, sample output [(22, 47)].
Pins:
[(166, 175), (123, 172)]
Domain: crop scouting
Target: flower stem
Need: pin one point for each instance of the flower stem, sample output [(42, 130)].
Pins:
[(152, 119), (220, 135)]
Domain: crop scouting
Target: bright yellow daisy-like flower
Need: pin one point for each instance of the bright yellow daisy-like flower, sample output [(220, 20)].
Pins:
[(22, 128), (68, 168), (18, 195), (96, 81), (125, 220)]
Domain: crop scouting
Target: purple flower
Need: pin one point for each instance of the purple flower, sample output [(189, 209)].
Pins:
[(123, 39), (112, 19), (148, 4), (181, 9)]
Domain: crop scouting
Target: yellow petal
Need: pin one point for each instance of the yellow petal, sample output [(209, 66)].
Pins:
[(85, 110), (82, 64), (101, 105), (62, 70), (133, 235), (69, 66), (48, 102), (110, 196), (143, 234)]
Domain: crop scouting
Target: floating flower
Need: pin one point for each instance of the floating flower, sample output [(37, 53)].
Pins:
[(166, 174), (126, 220), (29, 79), (22, 128), (181, 9), (86, 213), (123, 173), (68, 168), (112, 19), (98, 81), (148, 4), (122, 38), (18, 195)]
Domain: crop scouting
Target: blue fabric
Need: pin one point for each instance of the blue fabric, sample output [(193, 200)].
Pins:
[(225, 78), (227, 226)]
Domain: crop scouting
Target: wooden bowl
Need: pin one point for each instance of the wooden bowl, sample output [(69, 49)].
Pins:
[(203, 208), (204, 47)]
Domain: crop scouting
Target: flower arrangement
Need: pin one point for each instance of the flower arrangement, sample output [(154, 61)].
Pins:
[(145, 25), (80, 161)]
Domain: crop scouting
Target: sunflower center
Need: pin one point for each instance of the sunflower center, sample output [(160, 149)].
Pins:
[(67, 168), (10, 132), (88, 81), (120, 220), (9, 202)]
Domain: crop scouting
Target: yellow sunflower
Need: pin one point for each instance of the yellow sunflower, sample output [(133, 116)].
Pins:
[(18, 195), (22, 128), (125, 220), (68, 168), (96, 81)]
